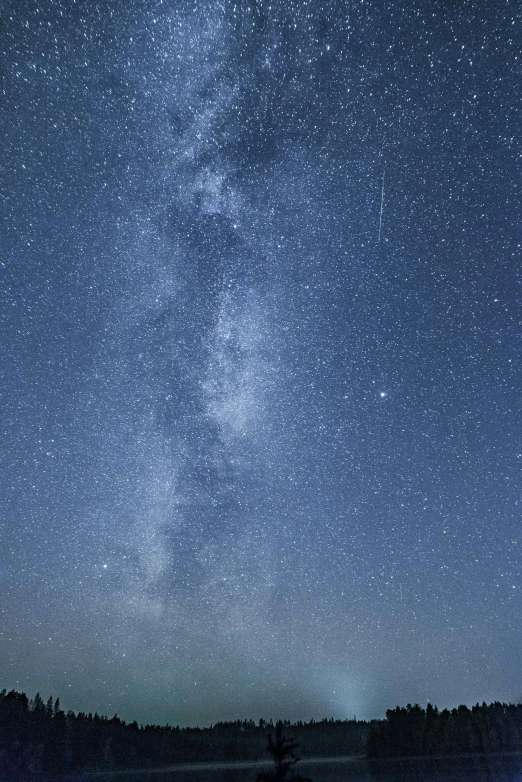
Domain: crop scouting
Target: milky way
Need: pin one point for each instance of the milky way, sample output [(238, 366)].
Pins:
[(260, 354)]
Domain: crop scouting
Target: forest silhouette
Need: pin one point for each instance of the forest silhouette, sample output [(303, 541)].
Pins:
[(38, 737)]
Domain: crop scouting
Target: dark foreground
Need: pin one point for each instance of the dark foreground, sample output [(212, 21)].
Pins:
[(40, 741), (466, 768)]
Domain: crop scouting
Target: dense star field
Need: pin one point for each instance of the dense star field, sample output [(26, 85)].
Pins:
[(260, 355)]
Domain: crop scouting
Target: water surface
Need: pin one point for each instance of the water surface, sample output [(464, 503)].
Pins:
[(485, 768)]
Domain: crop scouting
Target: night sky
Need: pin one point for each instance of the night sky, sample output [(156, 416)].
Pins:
[(259, 352)]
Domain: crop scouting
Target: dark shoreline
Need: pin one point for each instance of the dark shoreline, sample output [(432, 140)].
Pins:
[(453, 756), (310, 761), (210, 766)]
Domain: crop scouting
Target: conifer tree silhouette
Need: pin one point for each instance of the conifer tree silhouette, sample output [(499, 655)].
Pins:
[(282, 748)]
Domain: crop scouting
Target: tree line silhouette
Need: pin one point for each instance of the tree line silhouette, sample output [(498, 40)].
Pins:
[(38, 737), (410, 731)]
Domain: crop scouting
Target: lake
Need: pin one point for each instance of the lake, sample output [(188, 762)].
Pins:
[(485, 768)]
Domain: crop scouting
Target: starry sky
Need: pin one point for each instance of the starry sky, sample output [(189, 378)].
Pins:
[(259, 355)]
